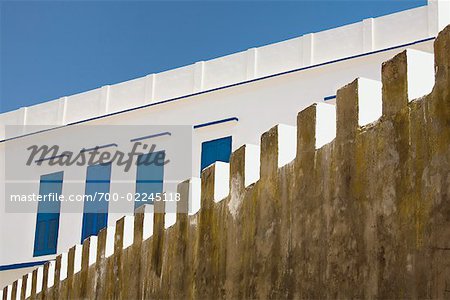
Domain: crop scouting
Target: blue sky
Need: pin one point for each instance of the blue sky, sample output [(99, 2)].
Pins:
[(54, 49)]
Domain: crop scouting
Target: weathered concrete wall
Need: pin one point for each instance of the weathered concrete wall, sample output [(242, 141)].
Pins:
[(366, 216)]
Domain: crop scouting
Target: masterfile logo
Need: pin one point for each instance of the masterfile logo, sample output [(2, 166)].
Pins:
[(55, 157), (121, 164)]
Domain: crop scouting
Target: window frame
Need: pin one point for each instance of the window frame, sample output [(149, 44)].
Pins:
[(140, 183), (93, 218), (48, 215), (206, 144)]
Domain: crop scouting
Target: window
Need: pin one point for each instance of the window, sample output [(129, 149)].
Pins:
[(95, 212), (149, 177), (216, 150), (47, 221)]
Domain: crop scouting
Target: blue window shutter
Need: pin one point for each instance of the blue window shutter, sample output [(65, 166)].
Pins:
[(102, 219), (47, 221), (216, 150), (95, 211), (88, 225), (149, 177), (52, 234), (40, 235)]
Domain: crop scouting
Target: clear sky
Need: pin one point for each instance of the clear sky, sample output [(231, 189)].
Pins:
[(53, 49)]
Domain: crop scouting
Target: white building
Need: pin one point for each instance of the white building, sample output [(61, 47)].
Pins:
[(196, 114)]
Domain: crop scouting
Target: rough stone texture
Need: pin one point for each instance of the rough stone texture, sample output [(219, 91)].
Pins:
[(366, 216)]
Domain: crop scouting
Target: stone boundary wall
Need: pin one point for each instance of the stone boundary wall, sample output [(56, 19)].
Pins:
[(365, 216)]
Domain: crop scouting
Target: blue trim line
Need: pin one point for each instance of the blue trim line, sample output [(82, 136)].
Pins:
[(48, 158), (32, 133), (148, 181), (51, 181), (97, 181), (99, 147), (227, 86), (329, 98), (216, 122), (22, 265), (81, 151), (151, 136)]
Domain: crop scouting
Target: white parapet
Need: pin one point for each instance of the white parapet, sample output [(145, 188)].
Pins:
[(19, 290), (174, 83), (9, 292), (438, 15), (51, 273), (194, 195), (84, 105), (129, 93), (252, 163), (77, 259), (147, 230), (170, 208), (93, 244), (12, 118), (128, 231), (110, 237), (287, 144), (279, 57), (170, 217), (64, 266), (325, 124), (221, 180), (225, 70), (370, 105), (40, 277), (29, 285), (420, 73)]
